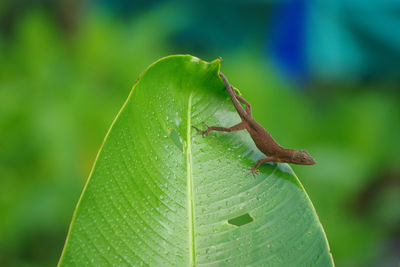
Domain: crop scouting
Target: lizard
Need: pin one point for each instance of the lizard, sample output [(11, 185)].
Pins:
[(262, 139)]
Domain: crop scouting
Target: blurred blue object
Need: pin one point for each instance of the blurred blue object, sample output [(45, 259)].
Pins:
[(288, 38), (342, 39)]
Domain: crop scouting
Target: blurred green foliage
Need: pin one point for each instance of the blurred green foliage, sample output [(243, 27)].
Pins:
[(60, 90)]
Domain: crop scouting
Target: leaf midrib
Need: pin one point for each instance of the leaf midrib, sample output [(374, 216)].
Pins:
[(192, 253)]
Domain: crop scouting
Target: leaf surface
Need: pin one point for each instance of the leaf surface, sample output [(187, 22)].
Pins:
[(159, 194)]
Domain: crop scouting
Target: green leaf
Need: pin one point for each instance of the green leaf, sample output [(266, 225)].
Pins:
[(160, 194)]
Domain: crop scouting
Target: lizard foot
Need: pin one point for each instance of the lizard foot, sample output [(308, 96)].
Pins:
[(253, 171), (203, 133)]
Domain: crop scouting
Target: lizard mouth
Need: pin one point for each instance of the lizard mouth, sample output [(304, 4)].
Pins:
[(311, 161)]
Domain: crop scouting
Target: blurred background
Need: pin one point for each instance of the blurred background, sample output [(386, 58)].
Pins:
[(321, 75)]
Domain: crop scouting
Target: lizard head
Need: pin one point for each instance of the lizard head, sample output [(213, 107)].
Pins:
[(302, 157)]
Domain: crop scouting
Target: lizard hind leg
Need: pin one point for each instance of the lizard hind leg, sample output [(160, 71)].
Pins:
[(237, 127), (248, 106)]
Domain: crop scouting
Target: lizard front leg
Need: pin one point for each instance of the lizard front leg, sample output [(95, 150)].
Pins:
[(237, 127), (254, 168)]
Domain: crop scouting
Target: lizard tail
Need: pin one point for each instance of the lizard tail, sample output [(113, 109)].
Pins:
[(239, 108)]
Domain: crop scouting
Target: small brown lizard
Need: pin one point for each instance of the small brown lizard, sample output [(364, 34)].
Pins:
[(263, 140)]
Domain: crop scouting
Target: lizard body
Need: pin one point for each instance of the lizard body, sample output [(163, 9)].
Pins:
[(262, 139)]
